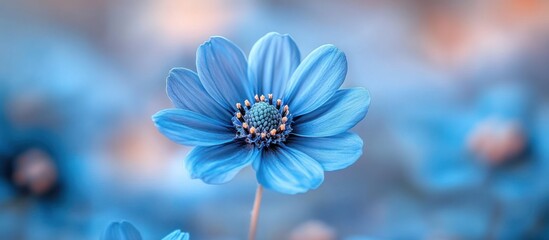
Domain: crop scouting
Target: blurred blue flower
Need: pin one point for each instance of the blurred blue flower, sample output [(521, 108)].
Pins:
[(295, 127), (41, 186), (50, 127), (34, 166), (126, 231), (494, 151), (121, 231)]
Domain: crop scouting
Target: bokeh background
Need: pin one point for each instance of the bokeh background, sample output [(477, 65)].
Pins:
[(456, 138)]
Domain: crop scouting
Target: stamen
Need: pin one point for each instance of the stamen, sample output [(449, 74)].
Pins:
[(245, 125), (273, 132), (278, 103), (252, 131), (271, 99), (285, 111), (239, 116), (248, 104), (262, 98), (256, 98), (282, 127), (284, 119), (263, 135), (239, 107)]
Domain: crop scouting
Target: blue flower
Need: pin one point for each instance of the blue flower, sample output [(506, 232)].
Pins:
[(177, 235), (448, 166), (285, 117), (126, 231), (121, 231), (35, 167)]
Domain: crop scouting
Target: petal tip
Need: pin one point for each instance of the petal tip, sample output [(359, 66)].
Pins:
[(177, 235), (331, 48), (365, 94), (215, 40), (155, 117), (179, 70), (277, 34)]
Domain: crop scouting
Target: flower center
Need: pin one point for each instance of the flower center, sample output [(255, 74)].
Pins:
[(263, 117), (263, 123)]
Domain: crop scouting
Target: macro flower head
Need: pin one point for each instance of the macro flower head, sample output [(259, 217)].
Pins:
[(284, 116)]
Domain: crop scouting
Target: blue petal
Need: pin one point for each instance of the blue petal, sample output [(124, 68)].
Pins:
[(222, 69), (121, 231), (342, 112), (193, 129), (289, 171), (273, 59), (186, 92), (333, 153), (316, 79), (177, 235), (219, 164)]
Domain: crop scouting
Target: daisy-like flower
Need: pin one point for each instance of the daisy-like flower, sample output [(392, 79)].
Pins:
[(285, 117), (126, 231)]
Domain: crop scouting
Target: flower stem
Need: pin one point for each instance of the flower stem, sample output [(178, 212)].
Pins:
[(255, 212)]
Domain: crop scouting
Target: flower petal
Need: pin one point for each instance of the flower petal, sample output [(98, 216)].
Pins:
[(177, 235), (222, 69), (334, 152), (342, 112), (316, 79), (219, 164), (289, 171), (186, 92), (121, 231), (190, 128), (273, 59)]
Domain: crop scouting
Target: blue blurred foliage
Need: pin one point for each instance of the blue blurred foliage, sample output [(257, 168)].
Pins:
[(79, 81)]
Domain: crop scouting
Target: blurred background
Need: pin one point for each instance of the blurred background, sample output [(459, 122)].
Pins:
[(456, 139)]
